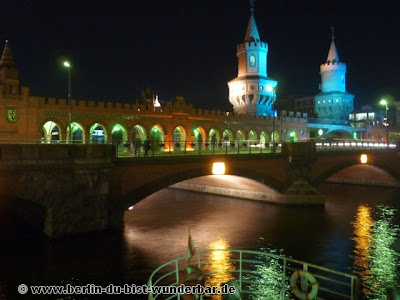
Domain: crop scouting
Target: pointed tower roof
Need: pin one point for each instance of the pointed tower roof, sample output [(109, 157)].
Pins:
[(6, 58), (332, 55), (252, 31)]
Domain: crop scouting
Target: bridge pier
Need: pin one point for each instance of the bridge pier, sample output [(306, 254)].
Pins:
[(73, 202), (301, 157)]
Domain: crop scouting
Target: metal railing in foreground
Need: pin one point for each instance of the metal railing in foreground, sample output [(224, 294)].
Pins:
[(259, 275)]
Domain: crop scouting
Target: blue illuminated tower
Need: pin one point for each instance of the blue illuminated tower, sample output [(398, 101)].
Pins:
[(333, 102), (252, 91)]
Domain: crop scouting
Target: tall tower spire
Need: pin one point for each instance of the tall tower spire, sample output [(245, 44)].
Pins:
[(9, 77), (332, 54), (333, 102), (252, 31), (7, 59)]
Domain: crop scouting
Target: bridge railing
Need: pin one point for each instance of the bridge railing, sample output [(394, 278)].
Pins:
[(352, 145), (171, 148), (174, 148), (166, 148)]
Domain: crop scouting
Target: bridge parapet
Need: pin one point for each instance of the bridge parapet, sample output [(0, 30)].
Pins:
[(26, 154)]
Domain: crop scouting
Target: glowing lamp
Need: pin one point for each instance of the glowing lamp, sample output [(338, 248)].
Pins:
[(218, 168), (130, 207), (67, 64), (320, 132), (364, 158)]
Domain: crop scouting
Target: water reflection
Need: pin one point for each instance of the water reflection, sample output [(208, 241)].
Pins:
[(375, 260), (267, 282), (363, 238), (219, 264)]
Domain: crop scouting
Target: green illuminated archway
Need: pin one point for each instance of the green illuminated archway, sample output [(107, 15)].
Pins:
[(98, 134), (264, 138), (78, 133), (138, 133), (199, 138), (157, 138), (227, 139), (293, 136), (240, 138), (253, 137), (51, 132), (118, 134), (214, 139), (179, 140), (119, 137), (275, 137)]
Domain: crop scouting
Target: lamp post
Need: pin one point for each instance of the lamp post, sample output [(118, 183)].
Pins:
[(67, 64), (384, 102), (272, 89)]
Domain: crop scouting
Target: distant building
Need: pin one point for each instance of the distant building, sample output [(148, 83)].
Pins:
[(333, 102), (148, 97), (372, 121)]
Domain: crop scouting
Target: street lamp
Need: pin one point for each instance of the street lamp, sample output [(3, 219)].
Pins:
[(384, 102), (67, 64), (272, 89)]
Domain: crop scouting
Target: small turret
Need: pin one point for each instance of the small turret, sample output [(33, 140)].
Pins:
[(9, 77)]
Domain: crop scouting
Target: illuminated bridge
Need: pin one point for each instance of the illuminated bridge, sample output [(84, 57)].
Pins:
[(68, 189)]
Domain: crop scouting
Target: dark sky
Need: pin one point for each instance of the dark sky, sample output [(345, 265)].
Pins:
[(188, 47)]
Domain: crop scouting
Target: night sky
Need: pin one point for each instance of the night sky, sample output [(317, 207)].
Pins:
[(188, 47)]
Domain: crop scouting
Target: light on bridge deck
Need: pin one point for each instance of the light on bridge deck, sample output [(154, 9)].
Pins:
[(218, 168), (363, 158)]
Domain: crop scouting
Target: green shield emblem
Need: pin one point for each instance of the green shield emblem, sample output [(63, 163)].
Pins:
[(11, 114)]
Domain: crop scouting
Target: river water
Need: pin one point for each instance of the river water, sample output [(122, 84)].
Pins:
[(339, 236)]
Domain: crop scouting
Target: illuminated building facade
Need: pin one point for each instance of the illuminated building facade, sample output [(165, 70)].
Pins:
[(252, 92), (333, 102), (175, 126)]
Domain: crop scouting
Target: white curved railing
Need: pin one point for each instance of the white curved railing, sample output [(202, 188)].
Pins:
[(256, 273)]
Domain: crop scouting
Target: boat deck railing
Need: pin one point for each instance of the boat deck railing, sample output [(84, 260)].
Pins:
[(258, 274)]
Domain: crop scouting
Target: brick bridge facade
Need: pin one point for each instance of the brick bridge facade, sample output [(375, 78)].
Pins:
[(69, 189)]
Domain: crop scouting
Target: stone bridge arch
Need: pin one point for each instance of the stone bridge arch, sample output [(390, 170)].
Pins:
[(130, 184), (136, 195), (384, 164)]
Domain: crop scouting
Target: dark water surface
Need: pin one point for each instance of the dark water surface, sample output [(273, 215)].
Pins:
[(336, 236)]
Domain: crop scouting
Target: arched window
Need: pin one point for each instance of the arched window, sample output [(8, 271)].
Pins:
[(252, 60)]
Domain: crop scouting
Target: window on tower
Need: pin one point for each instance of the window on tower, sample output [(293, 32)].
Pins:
[(252, 61)]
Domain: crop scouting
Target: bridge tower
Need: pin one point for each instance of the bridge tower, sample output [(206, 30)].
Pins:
[(252, 91), (333, 102), (9, 77)]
